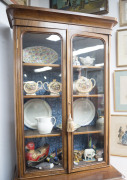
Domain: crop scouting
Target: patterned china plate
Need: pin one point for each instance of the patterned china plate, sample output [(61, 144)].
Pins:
[(39, 54), (83, 111)]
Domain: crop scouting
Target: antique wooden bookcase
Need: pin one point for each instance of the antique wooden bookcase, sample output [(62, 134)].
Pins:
[(78, 58)]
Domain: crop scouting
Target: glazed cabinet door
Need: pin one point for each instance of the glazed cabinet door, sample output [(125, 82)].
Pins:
[(88, 99), (40, 80)]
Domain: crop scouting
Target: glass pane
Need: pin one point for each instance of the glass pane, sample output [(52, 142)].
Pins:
[(42, 101), (88, 149), (88, 100)]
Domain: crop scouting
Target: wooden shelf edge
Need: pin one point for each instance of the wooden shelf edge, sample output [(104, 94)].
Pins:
[(37, 64), (35, 134), (41, 96), (89, 95), (87, 132), (58, 96), (42, 135), (88, 67)]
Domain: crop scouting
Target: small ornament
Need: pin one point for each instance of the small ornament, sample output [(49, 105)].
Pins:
[(70, 124), (35, 156)]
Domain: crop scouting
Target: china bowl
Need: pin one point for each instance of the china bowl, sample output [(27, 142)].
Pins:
[(87, 61)]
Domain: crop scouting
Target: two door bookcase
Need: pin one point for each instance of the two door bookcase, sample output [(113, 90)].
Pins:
[(61, 73)]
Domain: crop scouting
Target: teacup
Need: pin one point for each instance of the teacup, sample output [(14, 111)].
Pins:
[(45, 124)]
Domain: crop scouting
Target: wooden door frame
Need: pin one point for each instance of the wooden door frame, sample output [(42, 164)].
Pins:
[(70, 34), (19, 102)]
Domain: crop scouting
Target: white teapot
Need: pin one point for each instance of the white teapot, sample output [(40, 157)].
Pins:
[(87, 61), (45, 124), (83, 85), (31, 87)]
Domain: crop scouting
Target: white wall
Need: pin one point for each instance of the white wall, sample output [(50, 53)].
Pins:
[(7, 142), (114, 12), (7, 138), (40, 3), (119, 163)]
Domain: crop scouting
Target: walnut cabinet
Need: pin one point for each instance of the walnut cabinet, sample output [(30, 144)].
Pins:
[(62, 64)]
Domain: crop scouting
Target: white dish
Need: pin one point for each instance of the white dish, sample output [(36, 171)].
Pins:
[(83, 111), (35, 108), (39, 54), (87, 61)]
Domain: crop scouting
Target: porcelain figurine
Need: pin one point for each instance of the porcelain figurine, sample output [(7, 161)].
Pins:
[(89, 154), (45, 124), (87, 61), (53, 87), (31, 87), (34, 157), (83, 85), (44, 166), (99, 154), (78, 155), (76, 61)]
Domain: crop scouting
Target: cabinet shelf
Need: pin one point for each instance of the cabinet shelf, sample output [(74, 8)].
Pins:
[(87, 130), (82, 163), (87, 67), (89, 95), (81, 130), (41, 96), (58, 96), (41, 65), (35, 134)]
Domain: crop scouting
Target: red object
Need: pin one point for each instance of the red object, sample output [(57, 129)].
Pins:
[(30, 146), (33, 156)]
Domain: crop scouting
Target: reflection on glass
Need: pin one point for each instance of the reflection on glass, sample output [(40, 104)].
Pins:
[(88, 100), (42, 101)]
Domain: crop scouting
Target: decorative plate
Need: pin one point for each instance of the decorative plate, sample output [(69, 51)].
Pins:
[(83, 111), (39, 54), (35, 108)]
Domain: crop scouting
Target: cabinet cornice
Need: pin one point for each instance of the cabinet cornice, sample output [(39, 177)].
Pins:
[(65, 17)]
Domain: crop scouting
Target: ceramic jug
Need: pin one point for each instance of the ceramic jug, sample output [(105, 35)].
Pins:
[(31, 87), (45, 124)]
